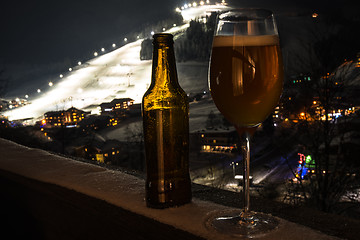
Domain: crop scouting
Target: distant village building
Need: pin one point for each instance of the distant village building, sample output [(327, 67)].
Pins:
[(300, 79), (223, 141), (118, 105), (95, 122), (103, 152), (53, 118), (117, 109), (12, 104), (69, 118), (341, 102), (3, 104)]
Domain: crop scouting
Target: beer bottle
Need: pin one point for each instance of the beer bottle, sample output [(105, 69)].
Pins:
[(165, 111)]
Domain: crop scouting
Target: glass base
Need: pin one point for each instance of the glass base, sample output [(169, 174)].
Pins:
[(237, 223)]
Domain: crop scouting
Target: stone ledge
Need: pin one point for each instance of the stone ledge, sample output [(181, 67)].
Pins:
[(125, 191), (38, 210)]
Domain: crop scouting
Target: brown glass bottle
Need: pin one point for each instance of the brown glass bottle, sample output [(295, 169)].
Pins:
[(165, 110)]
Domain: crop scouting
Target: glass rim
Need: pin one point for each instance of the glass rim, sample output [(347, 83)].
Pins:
[(245, 14)]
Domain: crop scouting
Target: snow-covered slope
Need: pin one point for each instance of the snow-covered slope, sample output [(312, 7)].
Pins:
[(117, 74)]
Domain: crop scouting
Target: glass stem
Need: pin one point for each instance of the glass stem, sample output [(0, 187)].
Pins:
[(245, 149)]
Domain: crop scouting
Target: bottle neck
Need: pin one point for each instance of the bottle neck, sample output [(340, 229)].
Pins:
[(163, 68)]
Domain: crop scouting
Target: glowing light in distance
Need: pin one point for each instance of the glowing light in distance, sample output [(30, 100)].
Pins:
[(26, 96), (125, 39), (177, 9), (113, 45), (174, 25), (138, 37), (79, 90), (96, 54), (79, 63), (70, 69), (17, 99), (103, 49), (194, 4), (152, 33), (202, 3), (61, 76), (163, 29), (39, 91), (51, 84)]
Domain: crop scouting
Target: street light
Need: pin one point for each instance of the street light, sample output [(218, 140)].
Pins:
[(61, 76), (96, 54), (51, 84), (79, 63), (39, 91), (70, 69)]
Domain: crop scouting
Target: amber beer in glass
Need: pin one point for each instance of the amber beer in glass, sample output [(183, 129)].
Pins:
[(245, 81), (246, 77), (165, 110)]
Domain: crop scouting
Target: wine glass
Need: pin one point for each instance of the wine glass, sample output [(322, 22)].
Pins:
[(245, 81)]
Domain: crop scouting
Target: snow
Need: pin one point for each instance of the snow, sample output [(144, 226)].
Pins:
[(125, 191), (190, 13), (116, 74)]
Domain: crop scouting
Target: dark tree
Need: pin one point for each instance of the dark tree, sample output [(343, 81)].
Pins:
[(329, 63), (196, 43), (146, 50)]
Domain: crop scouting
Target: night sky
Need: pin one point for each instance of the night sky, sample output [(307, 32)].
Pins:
[(39, 37), (42, 31)]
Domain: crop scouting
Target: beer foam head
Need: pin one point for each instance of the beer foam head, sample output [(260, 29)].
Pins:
[(261, 40)]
